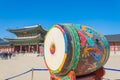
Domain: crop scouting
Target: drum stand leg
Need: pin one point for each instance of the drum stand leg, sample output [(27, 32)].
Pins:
[(97, 75)]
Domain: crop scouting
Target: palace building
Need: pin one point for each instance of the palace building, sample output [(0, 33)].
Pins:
[(28, 39), (5, 46), (114, 42)]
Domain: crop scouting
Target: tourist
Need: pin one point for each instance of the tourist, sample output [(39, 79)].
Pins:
[(1, 54), (9, 54), (6, 55)]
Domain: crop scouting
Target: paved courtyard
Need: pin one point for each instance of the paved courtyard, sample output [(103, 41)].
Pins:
[(20, 64)]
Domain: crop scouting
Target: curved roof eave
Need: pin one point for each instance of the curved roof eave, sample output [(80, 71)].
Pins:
[(29, 28), (24, 39), (5, 43)]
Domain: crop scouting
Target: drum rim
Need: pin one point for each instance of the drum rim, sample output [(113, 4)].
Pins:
[(65, 55)]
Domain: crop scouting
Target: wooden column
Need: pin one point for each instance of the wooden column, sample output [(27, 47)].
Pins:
[(37, 47), (114, 48), (41, 50), (13, 48), (20, 48), (28, 48)]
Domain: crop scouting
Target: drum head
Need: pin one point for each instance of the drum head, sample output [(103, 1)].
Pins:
[(54, 49)]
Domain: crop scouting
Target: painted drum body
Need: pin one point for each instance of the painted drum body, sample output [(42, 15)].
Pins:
[(77, 48)]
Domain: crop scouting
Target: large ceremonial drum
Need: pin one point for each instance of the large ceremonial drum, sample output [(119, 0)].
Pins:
[(73, 47)]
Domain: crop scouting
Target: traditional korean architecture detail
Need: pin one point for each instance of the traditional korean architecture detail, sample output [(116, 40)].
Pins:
[(114, 41), (28, 39), (5, 46)]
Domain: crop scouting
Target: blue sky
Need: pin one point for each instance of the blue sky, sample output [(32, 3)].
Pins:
[(102, 15)]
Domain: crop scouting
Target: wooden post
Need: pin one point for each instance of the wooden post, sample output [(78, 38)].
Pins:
[(20, 48), (114, 48), (37, 47), (29, 48), (32, 74)]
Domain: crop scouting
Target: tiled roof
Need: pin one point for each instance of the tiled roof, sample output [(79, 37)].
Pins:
[(4, 43), (115, 37), (28, 28), (1, 39)]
